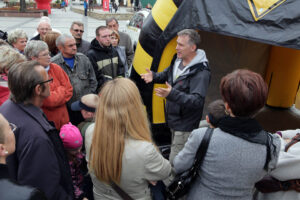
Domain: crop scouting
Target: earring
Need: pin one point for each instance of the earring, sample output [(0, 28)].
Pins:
[(6, 152), (226, 112)]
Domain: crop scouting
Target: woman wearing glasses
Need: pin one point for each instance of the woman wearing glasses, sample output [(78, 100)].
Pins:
[(61, 89), (9, 190)]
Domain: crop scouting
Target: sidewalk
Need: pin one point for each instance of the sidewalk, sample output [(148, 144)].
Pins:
[(60, 20)]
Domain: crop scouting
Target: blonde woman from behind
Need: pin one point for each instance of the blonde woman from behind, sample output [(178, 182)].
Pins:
[(122, 150)]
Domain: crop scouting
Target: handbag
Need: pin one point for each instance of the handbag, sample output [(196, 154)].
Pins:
[(120, 191), (183, 181)]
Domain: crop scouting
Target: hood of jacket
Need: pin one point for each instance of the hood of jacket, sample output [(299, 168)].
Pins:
[(97, 47), (199, 58)]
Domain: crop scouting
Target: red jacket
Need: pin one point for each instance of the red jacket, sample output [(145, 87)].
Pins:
[(4, 90), (61, 92)]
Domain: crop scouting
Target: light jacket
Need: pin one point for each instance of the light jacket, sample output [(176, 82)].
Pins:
[(141, 163)]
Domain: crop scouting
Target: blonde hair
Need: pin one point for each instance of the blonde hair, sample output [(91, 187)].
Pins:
[(120, 115), (113, 32), (9, 57)]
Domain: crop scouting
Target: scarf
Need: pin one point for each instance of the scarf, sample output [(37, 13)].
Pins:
[(250, 130)]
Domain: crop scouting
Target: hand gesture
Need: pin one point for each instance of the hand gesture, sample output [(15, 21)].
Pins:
[(147, 77), (163, 92)]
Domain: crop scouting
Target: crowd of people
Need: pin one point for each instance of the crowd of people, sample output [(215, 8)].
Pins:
[(73, 124)]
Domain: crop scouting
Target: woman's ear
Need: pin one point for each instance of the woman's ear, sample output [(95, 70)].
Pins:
[(228, 110), (2, 150)]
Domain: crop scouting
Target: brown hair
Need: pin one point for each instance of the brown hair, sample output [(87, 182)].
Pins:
[(50, 39), (22, 79), (244, 91), (77, 23), (113, 32), (120, 115), (216, 109), (100, 28)]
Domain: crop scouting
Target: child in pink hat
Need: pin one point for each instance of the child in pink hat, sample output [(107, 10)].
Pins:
[(72, 141)]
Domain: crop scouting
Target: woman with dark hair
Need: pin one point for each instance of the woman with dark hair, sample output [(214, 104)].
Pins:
[(240, 152), (119, 146)]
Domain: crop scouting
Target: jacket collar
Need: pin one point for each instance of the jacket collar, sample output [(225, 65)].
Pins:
[(37, 114)]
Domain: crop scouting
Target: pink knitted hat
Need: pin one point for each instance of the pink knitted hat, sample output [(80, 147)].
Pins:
[(70, 136)]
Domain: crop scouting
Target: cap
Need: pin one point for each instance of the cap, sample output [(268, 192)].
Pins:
[(70, 136), (87, 102)]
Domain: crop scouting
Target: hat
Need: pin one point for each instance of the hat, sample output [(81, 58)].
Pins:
[(87, 102), (70, 136)]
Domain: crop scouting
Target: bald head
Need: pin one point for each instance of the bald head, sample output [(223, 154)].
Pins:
[(43, 28)]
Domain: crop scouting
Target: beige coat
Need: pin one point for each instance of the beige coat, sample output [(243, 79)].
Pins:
[(141, 163)]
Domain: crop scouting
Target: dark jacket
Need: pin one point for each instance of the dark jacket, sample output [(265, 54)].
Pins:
[(185, 102), (9, 190), (39, 159), (106, 62), (37, 37)]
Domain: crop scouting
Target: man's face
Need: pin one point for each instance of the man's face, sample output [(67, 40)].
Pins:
[(69, 49), (77, 31), (46, 90), (20, 44), (104, 37), (113, 25), (183, 48), (43, 28)]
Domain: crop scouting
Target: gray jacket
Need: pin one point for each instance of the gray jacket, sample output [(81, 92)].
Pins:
[(126, 42), (83, 47), (230, 167), (82, 76)]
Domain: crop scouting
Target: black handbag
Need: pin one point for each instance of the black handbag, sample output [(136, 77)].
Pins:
[(183, 181)]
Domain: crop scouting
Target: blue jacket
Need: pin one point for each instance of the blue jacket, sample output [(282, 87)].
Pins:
[(185, 102), (39, 159)]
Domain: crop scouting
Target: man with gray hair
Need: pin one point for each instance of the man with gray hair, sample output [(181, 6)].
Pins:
[(79, 69), (113, 24), (77, 29), (187, 80), (42, 29), (39, 159)]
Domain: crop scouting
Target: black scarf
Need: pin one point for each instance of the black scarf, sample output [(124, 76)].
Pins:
[(248, 129)]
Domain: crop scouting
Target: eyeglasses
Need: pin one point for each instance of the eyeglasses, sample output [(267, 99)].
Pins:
[(13, 127), (77, 30), (45, 55), (50, 80)]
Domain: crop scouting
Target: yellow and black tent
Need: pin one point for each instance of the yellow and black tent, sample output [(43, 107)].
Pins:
[(261, 35)]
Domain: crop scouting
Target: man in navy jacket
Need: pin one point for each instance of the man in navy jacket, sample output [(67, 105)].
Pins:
[(39, 159)]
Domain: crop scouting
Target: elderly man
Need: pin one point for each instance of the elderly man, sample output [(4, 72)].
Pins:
[(77, 29), (113, 24), (78, 68), (39, 160), (187, 80), (42, 29), (105, 59)]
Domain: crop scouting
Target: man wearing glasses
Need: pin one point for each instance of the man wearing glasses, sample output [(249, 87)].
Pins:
[(77, 29), (43, 28), (39, 159), (105, 59)]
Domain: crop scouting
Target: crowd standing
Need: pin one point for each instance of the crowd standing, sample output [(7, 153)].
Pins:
[(73, 125)]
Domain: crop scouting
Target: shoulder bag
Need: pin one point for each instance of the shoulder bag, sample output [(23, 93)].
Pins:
[(183, 181), (120, 191)]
